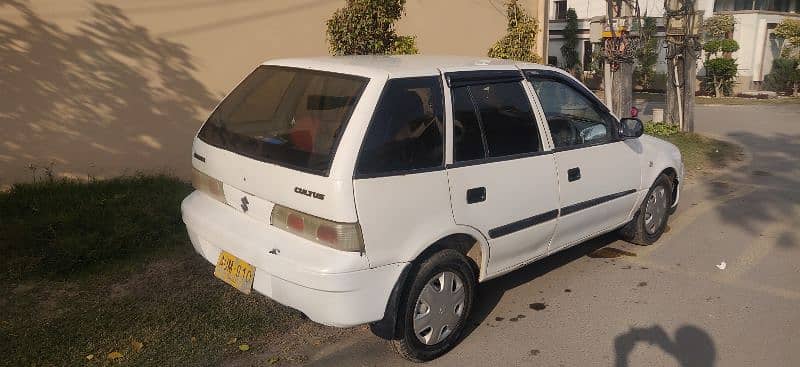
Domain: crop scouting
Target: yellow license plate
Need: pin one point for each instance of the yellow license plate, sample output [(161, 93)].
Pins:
[(235, 271)]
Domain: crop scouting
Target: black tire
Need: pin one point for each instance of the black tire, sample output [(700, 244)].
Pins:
[(408, 345), (636, 231)]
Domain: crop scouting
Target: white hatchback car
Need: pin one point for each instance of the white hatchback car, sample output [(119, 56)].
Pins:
[(382, 189)]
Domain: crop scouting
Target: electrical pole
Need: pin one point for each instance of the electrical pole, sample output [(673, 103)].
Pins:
[(683, 23)]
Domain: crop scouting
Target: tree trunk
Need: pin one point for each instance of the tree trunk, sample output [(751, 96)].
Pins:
[(690, 74), (687, 72), (717, 87), (671, 106), (794, 89), (622, 90)]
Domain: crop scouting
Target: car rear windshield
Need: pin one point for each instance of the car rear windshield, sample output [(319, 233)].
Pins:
[(287, 116)]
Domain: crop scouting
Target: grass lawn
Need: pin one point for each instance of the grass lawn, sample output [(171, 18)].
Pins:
[(745, 101), (699, 153), (94, 269), (102, 273)]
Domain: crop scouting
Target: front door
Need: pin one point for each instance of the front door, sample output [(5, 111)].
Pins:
[(598, 173), (502, 180)]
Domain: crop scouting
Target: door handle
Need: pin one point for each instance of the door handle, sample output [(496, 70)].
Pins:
[(476, 195), (574, 174)]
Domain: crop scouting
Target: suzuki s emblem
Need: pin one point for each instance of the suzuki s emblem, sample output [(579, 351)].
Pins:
[(244, 204)]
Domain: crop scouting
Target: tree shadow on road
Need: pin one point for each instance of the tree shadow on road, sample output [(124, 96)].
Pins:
[(691, 347), (774, 172), (108, 94)]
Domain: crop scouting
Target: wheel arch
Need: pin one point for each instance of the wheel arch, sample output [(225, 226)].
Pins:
[(466, 240), (672, 173)]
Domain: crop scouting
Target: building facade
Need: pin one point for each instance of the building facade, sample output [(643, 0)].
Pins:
[(755, 23), (102, 88)]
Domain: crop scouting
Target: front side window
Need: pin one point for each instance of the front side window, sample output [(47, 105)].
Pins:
[(291, 117), (504, 124), (573, 119), (407, 130)]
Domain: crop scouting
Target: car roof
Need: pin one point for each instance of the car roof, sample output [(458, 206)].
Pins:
[(401, 65)]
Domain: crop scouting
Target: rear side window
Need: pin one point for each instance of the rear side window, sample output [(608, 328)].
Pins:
[(287, 116), (407, 130), (493, 120)]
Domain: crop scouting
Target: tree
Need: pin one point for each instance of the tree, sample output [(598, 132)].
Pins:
[(721, 70), (364, 27), (520, 38), (569, 50), (646, 58), (785, 73), (789, 31)]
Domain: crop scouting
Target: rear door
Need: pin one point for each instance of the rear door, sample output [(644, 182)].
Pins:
[(598, 173), (400, 184), (502, 179)]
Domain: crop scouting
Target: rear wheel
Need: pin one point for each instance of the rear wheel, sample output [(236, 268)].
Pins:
[(436, 306), (650, 220)]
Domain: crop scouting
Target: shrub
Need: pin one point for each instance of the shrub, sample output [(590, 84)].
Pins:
[(720, 75), (660, 129), (724, 45), (520, 38), (784, 77), (364, 27), (719, 26)]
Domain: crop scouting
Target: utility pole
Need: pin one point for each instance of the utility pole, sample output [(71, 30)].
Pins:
[(621, 42), (683, 24)]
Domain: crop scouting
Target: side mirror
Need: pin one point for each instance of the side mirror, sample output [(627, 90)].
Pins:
[(630, 128)]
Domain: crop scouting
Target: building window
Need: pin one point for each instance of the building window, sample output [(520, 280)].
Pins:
[(774, 5), (561, 9), (785, 6), (587, 55)]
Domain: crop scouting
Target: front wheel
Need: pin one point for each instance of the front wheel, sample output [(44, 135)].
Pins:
[(650, 220), (436, 306)]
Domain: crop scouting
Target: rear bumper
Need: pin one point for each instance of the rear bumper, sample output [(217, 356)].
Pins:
[(331, 287)]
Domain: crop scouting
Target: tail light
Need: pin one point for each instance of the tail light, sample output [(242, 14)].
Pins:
[(340, 236), (207, 184)]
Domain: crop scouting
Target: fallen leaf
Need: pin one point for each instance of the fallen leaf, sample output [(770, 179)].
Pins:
[(231, 341), (244, 347), (193, 339), (90, 357), (273, 360), (114, 355), (136, 345)]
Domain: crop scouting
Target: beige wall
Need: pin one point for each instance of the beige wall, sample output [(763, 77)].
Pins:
[(123, 85)]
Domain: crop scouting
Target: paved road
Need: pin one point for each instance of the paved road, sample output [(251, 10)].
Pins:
[(668, 305)]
